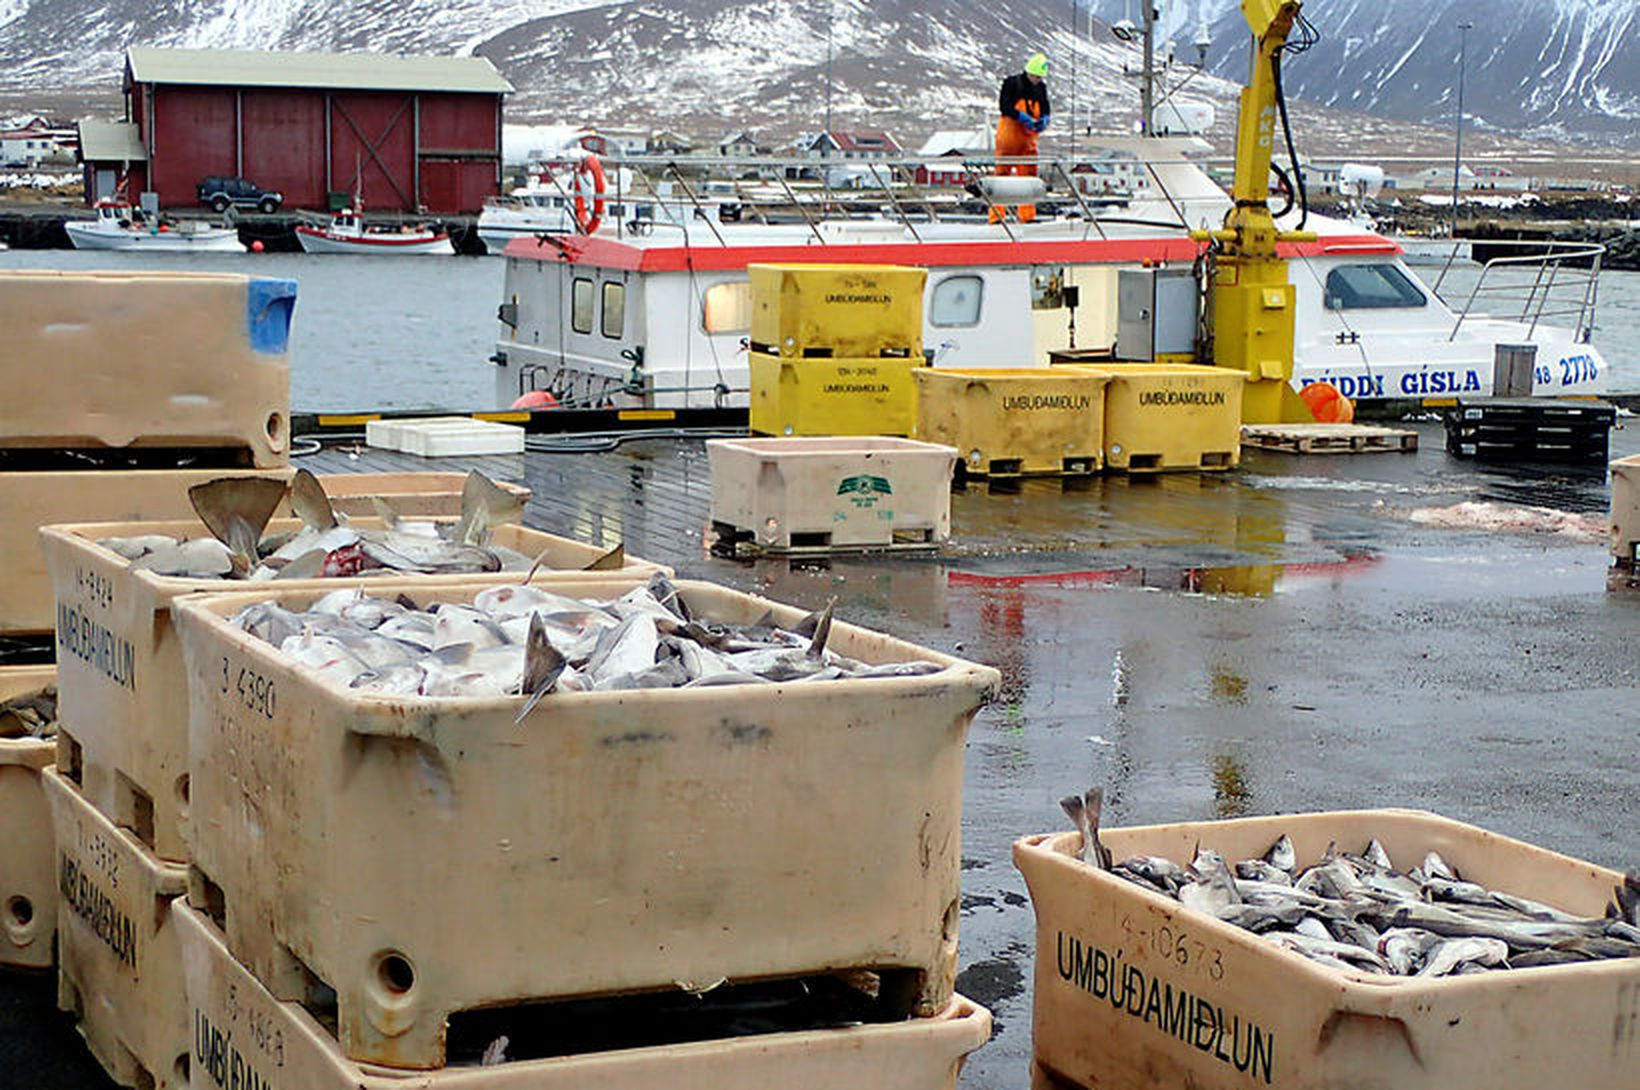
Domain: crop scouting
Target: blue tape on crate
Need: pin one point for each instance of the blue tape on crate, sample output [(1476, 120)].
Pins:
[(269, 305)]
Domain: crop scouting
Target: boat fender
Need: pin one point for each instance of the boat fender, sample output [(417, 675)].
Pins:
[(536, 399), (588, 219), (1327, 404)]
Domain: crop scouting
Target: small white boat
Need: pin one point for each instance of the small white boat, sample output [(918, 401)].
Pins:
[(523, 213), (119, 226), (347, 233)]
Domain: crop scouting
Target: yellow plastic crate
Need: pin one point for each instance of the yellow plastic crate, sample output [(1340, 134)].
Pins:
[(832, 311), (1012, 421), (1171, 416), (855, 396)]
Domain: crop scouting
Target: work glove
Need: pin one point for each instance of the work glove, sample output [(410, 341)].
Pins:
[(1042, 124), (1026, 119)]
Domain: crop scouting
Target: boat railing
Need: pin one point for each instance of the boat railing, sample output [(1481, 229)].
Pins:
[(900, 188), (1557, 280)]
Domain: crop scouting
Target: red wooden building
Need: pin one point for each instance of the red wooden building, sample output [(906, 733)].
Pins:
[(401, 133)]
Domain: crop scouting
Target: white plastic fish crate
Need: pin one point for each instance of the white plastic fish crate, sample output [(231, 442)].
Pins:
[(28, 889), (123, 726), (410, 495), (1625, 518), (445, 436), (120, 968), (436, 856), (30, 500), (159, 359), (244, 1036), (1135, 990), (830, 494)]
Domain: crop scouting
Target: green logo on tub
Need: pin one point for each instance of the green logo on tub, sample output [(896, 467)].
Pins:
[(864, 489)]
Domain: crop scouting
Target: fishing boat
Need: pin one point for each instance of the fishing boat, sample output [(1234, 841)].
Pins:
[(659, 317), (347, 233), (578, 199), (120, 226)]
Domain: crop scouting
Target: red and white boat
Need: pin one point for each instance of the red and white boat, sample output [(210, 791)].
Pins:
[(347, 233), (657, 316)]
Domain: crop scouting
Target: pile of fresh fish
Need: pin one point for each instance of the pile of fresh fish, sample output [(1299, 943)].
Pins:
[(237, 510), (1360, 913), (31, 715), (519, 639)]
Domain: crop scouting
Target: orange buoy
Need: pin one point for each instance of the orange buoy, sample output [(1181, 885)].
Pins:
[(587, 218), (1326, 404), (256, 246), (536, 399)]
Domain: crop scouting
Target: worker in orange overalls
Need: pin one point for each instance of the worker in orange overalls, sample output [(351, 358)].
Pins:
[(1023, 104)]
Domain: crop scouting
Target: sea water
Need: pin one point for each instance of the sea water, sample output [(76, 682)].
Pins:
[(415, 332)]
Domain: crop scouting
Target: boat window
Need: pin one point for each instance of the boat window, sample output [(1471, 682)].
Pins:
[(956, 301), (727, 308), (580, 306), (614, 308), (1365, 287)]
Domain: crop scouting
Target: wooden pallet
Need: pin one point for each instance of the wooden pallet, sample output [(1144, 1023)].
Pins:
[(727, 540), (1327, 438)]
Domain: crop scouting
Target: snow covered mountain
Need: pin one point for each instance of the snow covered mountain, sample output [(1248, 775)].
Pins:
[(1545, 67), (1542, 68)]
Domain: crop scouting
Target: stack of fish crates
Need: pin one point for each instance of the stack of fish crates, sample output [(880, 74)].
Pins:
[(581, 890), (834, 349), (1528, 429), (121, 790), (122, 391)]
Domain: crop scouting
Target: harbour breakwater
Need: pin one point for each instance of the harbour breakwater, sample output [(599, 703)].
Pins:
[(1554, 218)]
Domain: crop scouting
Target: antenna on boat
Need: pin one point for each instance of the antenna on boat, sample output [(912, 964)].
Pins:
[(831, 14)]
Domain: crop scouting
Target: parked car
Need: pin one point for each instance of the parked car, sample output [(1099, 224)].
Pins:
[(220, 192)]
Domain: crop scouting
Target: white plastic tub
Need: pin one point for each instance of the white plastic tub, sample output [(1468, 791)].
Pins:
[(435, 856)]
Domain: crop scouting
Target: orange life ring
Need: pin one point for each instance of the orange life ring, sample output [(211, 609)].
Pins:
[(586, 220)]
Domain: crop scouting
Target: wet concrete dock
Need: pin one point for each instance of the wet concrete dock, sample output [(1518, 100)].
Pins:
[(1311, 632), (1292, 636)]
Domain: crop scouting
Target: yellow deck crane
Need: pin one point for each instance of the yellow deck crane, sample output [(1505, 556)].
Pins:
[(1249, 294)]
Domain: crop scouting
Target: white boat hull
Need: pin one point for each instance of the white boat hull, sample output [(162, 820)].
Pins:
[(321, 242), (94, 236)]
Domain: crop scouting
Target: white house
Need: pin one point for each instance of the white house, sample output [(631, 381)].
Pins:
[(29, 140), (739, 145)]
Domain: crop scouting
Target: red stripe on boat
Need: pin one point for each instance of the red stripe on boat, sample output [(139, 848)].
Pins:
[(609, 253)]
